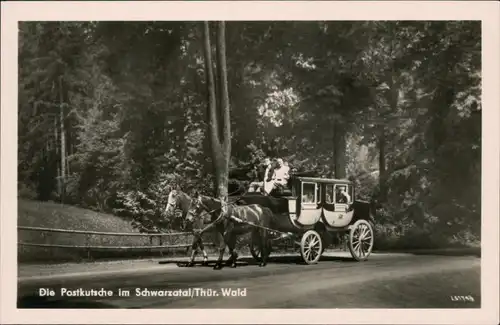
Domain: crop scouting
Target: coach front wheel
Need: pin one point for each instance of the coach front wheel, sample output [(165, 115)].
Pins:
[(311, 247)]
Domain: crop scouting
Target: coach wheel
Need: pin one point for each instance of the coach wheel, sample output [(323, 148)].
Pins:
[(311, 247), (361, 240)]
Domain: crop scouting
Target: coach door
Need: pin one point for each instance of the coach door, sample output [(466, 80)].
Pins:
[(310, 196), (338, 199)]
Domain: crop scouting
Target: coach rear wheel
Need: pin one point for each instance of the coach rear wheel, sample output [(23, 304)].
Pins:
[(361, 240), (311, 247)]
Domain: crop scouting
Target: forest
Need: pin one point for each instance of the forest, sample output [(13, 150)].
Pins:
[(111, 114)]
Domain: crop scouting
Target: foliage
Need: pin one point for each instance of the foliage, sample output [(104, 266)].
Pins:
[(396, 106)]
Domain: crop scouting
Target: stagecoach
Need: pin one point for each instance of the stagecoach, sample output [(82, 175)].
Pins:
[(312, 213)]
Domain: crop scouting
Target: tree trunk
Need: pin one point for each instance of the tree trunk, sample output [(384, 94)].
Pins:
[(56, 136), (69, 145), (212, 124), (393, 101), (56, 145), (224, 107), (219, 124), (441, 110), (340, 148), (63, 141), (240, 114), (382, 164), (333, 173)]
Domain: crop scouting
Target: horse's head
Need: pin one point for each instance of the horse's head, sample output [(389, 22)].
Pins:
[(172, 202), (203, 206), (180, 200), (177, 200)]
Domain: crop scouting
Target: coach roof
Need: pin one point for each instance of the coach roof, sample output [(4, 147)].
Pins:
[(324, 180)]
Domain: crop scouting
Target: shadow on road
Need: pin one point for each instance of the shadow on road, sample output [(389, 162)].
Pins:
[(463, 251), (248, 261)]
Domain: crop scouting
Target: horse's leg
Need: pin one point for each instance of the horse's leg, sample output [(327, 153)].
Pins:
[(194, 249), (263, 247), (230, 240), (222, 248), (264, 240), (231, 244), (205, 256), (193, 255)]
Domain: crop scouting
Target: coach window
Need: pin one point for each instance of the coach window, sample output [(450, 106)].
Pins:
[(329, 194), (308, 192), (343, 194)]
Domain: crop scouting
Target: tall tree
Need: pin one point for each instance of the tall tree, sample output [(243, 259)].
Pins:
[(219, 126), (62, 176)]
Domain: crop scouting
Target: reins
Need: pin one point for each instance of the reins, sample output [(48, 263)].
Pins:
[(221, 217), (208, 211), (258, 226), (237, 219)]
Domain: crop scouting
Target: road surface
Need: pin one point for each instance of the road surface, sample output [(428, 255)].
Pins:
[(384, 281)]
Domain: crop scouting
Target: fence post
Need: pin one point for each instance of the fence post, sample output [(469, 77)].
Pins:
[(53, 252), (160, 241), (87, 242), (187, 242)]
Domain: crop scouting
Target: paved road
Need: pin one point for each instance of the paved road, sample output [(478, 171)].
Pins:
[(384, 281)]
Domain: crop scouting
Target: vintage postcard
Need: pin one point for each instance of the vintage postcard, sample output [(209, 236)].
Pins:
[(255, 162)]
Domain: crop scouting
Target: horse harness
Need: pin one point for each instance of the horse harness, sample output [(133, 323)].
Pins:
[(230, 216)]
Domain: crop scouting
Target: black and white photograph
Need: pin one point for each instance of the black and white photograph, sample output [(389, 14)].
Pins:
[(251, 164)]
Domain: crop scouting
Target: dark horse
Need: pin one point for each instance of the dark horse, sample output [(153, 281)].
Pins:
[(180, 200), (236, 221)]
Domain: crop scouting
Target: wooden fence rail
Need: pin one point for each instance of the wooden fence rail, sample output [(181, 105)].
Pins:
[(108, 248), (85, 232)]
